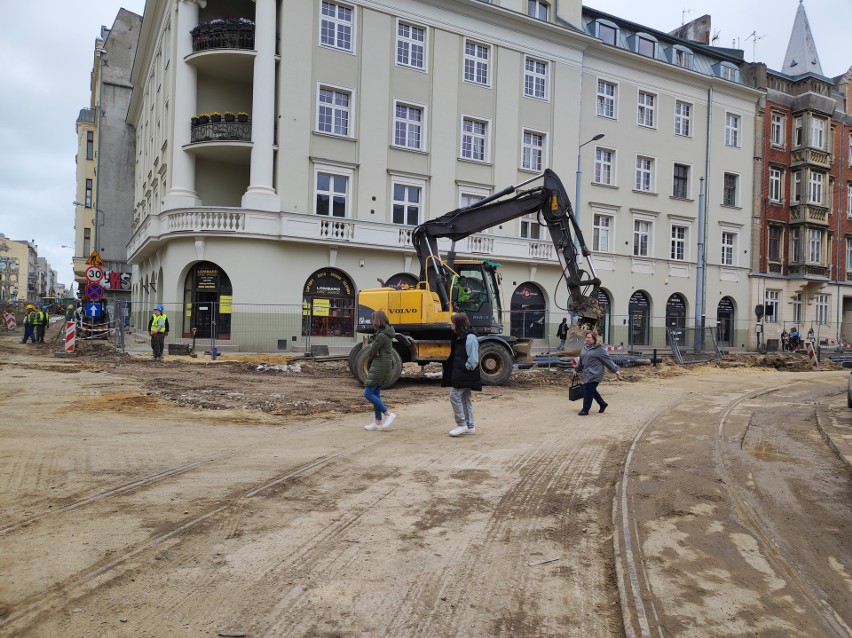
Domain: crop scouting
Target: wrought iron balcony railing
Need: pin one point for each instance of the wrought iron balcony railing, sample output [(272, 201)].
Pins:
[(233, 33), (221, 131)]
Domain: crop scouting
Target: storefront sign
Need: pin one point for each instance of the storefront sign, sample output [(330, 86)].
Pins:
[(207, 278)]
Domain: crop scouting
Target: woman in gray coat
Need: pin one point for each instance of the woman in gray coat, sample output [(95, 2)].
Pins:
[(592, 360), (379, 355)]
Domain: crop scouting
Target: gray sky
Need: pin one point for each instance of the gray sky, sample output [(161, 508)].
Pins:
[(48, 79)]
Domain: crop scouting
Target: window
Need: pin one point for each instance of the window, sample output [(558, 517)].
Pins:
[(796, 244), (336, 26), (776, 129), (775, 184), (797, 186), (797, 308), (683, 118), (729, 73), (474, 139), (815, 183), (607, 33), (535, 78), (682, 58), (680, 187), (606, 99), (646, 47), (770, 304), (641, 237), (814, 246), (533, 150), (729, 245), (850, 149), (645, 113), (775, 234), (729, 196), (406, 204), (732, 129), (537, 9), (475, 63), (849, 253), (849, 200), (88, 199), (604, 163), (678, 245), (333, 113), (332, 195), (797, 131), (644, 174), (408, 125), (601, 236), (466, 200), (822, 302), (90, 145), (410, 45), (817, 133), (530, 228), (87, 241)]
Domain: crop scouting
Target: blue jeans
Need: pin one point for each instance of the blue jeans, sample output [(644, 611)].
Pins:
[(561, 345), (371, 393), (29, 332), (590, 392)]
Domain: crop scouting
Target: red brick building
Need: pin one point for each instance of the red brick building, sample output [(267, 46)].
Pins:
[(802, 225)]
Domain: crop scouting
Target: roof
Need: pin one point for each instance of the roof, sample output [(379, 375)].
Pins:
[(801, 56)]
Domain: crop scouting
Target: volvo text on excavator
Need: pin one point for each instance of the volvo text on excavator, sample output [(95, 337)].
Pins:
[(421, 314)]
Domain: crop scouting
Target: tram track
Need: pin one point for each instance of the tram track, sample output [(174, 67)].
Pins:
[(646, 611)]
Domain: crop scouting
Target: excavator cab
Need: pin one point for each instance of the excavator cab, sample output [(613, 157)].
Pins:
[(476, 292)]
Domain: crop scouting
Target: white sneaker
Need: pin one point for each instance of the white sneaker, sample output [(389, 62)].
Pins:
[(372, 426), (462, 429), (388, 420)]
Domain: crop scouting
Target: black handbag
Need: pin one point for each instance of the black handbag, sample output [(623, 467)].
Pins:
[(575, 392)]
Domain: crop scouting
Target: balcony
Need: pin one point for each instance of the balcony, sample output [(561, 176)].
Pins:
[(230, 33), (152, 231), (221, 131), (809, 213), (812, 157), (810, 270)]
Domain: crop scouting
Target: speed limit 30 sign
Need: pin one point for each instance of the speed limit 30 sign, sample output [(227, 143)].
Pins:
[(94, 273)]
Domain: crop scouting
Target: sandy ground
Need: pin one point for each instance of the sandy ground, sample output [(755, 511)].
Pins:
[(244, 498)]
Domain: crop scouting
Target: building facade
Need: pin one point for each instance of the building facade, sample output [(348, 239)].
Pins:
[(803, 194), (285, 150)]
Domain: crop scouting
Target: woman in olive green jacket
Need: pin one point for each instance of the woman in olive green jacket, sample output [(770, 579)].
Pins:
[(379, 355)]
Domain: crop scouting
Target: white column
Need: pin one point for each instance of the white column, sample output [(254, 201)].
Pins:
[(260, 195), (182, 188)]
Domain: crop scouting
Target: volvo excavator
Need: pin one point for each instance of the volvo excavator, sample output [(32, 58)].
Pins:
[(421, 314)]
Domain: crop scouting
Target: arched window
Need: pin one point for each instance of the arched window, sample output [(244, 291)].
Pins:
[(676, 319), (605, 303), (207, 299), (527, 312), (328, 304), (639, 319)]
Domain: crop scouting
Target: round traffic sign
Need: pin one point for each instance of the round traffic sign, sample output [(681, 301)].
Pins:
[(94, 273), (94, 292)]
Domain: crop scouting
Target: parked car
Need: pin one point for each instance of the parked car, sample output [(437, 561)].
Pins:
[(848, 366)]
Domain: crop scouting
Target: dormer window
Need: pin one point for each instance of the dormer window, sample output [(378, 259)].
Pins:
[(727, 71), (680, 56), (646, 46), (538, 9), (607, 33)]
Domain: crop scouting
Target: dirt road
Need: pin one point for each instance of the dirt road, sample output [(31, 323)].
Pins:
[(198, 499)]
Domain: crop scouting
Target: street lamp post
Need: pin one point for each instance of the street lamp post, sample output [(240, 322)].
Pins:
[(577, 205)]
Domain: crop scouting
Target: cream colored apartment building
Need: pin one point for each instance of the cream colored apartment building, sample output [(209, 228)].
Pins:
[(361, 119)]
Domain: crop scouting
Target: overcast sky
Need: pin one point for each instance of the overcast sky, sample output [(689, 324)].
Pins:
[(47, 52)]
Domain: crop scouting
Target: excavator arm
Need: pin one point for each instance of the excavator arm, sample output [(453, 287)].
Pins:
[(551, 203)]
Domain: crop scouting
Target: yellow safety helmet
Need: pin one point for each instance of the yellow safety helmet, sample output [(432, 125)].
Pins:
[(30, 307)]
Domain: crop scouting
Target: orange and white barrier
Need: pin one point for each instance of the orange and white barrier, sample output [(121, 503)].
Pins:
[(70, 336), (11, 324), (812, 358)]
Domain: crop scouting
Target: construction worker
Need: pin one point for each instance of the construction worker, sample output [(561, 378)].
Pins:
[(29, 324), (42, 321), (158, 328)]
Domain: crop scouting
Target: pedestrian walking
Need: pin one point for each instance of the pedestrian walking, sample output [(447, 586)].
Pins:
[(379, 355), (461, 374), (29, 324), (158, 328), (562, 334), (593, 359)]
